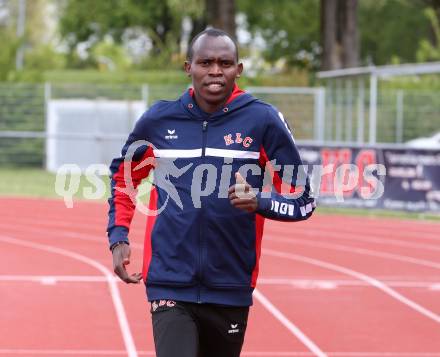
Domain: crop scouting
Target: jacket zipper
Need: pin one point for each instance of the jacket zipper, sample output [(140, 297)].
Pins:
[(204, 137), (204, 130)]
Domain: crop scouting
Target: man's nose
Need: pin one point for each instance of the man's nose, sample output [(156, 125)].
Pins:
[(215, 69)]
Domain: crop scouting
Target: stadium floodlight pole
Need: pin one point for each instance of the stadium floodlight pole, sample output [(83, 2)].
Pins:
[(21, 26)]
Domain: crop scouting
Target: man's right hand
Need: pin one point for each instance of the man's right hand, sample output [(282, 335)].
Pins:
[(121, 258)]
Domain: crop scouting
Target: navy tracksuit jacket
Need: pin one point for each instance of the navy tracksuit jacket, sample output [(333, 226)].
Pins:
[(200, 248)]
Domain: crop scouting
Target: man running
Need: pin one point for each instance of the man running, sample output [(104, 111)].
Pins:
[(212, 151)]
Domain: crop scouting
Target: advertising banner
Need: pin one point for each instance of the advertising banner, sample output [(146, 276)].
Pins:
[(395, 178)]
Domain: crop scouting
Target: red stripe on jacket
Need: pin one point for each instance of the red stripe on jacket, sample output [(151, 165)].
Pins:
[(125, 197), (280, 186), (151, 220), (259, 228)]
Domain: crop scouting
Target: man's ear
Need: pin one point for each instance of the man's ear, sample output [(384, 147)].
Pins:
[(187, 67), (239, 69)]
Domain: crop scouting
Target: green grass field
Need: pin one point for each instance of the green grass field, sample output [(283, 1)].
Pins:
[(35, 183), (40, 183)]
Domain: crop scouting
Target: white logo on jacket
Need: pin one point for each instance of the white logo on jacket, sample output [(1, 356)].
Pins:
[(171, 135)]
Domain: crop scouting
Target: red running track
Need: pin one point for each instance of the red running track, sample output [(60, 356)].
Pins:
[(331, 286)]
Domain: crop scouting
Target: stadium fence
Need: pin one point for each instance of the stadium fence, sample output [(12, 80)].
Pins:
[(322, 115)]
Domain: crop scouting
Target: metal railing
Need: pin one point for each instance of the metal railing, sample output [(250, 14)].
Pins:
[(24, 134), (322, 115)]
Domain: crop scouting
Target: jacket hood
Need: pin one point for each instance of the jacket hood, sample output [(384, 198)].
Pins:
[(238, 99)]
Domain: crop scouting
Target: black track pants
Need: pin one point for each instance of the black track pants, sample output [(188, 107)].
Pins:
[(184, 329)]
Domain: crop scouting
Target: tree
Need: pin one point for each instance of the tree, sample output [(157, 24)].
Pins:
[(330, 46), (289, 29), (433, 11), (160, 20), (435, 5), (339, 34), (34, 39), (221, 14), (102, 18), (428, 51), (349, 36), (386, 37)]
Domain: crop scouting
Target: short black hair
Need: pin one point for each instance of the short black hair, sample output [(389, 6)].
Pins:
[(213, 32)]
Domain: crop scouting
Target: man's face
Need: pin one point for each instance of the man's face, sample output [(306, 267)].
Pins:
[(213, 69)]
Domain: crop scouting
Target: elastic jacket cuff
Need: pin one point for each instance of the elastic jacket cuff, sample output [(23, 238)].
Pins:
[(263, 203), (118, 234)]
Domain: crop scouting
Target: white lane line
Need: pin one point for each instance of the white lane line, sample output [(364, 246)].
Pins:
[(288, 324), (371, 281), (34, 352), (71, 352), (94, 238), (303, 284), (68, 234), (416, 237), (114, 291), (91, 237), (427, 229), (56, 223), (296, 283), (346, 235), (363, 251), (57, 278), (345, 354), (333, 284), (368, 279), (378, 232)]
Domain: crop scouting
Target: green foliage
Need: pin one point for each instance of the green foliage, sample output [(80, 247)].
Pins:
[(160, 19), (110, 56), (44, 57), (420, 114), (427, 82), (38, 53), (293, 77), (8, 49), (118, 77), (30, 182), (376, 213), (22, 109), (290, 29), (427, 51), (78, 22), (22, 152), (391, 29)]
